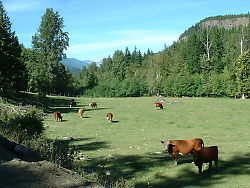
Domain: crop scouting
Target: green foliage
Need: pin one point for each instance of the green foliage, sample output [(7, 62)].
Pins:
[(12, 70), (242, 71), (21, 127), (46, 73), (201, 63), (57, 151), (51, 40)]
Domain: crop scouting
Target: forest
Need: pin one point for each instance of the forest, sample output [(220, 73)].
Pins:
[(206, 61)]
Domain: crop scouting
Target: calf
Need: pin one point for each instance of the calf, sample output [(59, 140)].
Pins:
[(183, 147), (81, 111), (93, 104), (58, 116), (206, 155), (109, 117), (158, 104)]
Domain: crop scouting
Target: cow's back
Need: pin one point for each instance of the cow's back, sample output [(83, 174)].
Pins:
[(207, 154), (187, 146), (197, 143)]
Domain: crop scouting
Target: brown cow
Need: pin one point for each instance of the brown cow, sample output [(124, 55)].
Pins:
[(158, 104), (81, 111), (109, 117), (182, 147), (93, 104), (58, 116), (206, 155)]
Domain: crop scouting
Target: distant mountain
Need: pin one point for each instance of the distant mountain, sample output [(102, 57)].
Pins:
[(72, 62), (75, 65)]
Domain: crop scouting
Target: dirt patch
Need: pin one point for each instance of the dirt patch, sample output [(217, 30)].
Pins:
[(17, 173)]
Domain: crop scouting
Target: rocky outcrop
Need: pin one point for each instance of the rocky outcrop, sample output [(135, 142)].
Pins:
[(227, 23)]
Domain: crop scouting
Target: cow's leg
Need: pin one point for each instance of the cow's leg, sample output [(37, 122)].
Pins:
[(176, 156), (210, 165), (200, 168), (216, 163)]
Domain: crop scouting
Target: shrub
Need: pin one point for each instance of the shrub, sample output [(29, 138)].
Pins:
[(20, 126), (56, 151)]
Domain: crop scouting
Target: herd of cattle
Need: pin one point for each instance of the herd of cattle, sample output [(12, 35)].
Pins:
[(72, 103), (195, 147)]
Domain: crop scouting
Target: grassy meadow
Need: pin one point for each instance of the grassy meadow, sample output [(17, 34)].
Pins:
[(130, 146)]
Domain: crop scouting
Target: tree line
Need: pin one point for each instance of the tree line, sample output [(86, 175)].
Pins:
[(209, 61), (205, 61)]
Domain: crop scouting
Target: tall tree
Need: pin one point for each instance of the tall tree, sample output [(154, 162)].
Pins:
[(12, 71), (193, 52), (50, 42), (242, 71), (217, 49)]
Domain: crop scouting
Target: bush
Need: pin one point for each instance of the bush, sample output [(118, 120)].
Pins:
[(56, 151), (20, 126)]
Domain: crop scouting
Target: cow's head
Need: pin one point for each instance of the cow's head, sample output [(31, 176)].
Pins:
[(196, 157), (168, 145)]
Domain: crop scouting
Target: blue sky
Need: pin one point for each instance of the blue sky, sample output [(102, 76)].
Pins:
[(99, 27)]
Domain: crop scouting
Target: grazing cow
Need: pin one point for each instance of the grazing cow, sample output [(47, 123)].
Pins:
[(72, 103), (182, 147), (158, 104), (93, 104), (58, 116), (109, 117), (206, 155), (81, 111)]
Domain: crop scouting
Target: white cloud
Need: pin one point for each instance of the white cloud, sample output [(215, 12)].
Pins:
[(24, 5), (128, 38), (142, 39)]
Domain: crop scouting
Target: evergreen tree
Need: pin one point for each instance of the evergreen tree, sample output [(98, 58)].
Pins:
[(51, 40), (12, 70), (217, 49), (242, 72), (50, 43), (193, 52)]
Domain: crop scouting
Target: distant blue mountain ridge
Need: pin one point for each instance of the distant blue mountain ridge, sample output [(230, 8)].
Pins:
[(72, 62), (75, 65)]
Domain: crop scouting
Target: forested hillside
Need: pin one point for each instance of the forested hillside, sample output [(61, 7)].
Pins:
[(207, 60)]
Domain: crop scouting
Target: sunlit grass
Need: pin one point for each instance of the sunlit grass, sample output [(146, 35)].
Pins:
[(131, 144)]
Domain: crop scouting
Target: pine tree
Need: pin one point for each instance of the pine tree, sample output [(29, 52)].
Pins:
[(242, 72), (12, 71), (50, 43)]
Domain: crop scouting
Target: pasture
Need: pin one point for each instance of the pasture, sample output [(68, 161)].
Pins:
[(130, 146)]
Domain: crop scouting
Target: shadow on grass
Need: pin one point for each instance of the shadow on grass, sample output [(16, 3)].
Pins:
[(79, 145), (91, 146), (127, 167), (94, 109), (115, 121)]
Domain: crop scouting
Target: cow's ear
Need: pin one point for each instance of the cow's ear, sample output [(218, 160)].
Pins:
[(162, 142)]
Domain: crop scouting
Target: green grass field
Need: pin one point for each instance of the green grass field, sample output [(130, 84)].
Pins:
[(131, 144)]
